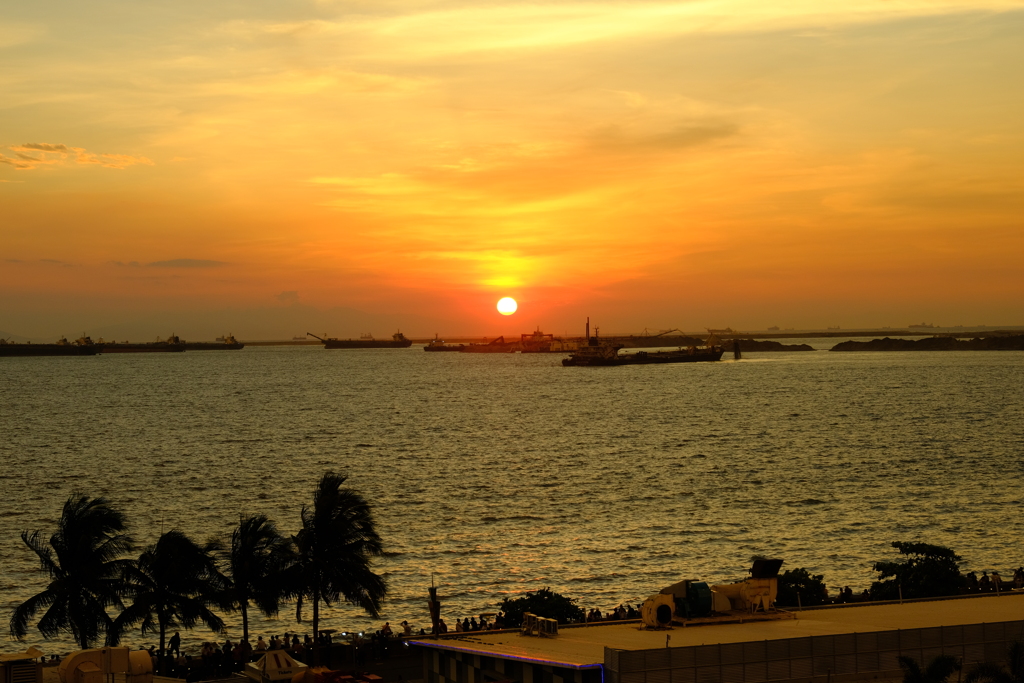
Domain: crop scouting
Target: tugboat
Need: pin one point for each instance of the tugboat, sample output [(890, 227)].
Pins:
[(398, 341), (83, 346), (437, 345), (596, 354)]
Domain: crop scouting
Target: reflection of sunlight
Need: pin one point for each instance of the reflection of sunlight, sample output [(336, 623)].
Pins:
[(506, 271), (436, 33), (503, 281)]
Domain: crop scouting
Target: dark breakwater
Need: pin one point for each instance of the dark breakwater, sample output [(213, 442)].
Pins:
[(1009, 343)]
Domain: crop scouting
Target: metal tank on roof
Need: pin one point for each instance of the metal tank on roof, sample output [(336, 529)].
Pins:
[(94, 666)]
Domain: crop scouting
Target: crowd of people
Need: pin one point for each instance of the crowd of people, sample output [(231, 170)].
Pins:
[(986, 583), (620, 612), (993, 583), (220, 660), (470, 624)]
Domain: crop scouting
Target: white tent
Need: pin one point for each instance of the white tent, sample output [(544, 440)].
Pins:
[(276, 665)]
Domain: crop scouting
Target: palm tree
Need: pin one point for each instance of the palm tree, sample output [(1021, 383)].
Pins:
[(988, 672), (173, 584), (83, 561), (334, 549), (937, 671), (254, 567)]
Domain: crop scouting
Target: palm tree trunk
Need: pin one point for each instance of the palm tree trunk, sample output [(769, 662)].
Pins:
[(245, 622), (316, 627), (163, 645), (83, 640)]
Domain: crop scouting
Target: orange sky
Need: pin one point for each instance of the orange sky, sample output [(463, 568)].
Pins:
[(362, 166)]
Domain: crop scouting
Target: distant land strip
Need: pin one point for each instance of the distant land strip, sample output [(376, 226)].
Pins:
[(1013, 343), (642, 340)]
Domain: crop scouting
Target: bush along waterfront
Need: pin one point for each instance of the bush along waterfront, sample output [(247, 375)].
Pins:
[(543, 603), (923, 571), (926, 571)]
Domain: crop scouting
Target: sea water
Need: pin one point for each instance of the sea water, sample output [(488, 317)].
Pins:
[(494, 475)]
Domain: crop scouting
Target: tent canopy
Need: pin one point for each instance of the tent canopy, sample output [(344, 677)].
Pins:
[(275, 665)]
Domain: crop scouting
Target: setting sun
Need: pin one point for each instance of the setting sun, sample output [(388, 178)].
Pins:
[(507, 306)]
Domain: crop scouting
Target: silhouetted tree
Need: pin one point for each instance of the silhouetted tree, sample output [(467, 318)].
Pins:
[(810, 587), (334, 551), (254, 566), (83, 560), (544, 603), (937, 671), (173, 584), (989, 672), (927, 571)]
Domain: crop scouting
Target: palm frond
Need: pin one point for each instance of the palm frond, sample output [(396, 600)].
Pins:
[(1015, 661), (57, 619), (24, 612), (940, 668), (45, 554), (911, 670), (987, 672)]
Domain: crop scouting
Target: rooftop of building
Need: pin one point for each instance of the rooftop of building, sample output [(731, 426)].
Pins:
[(583, 646)]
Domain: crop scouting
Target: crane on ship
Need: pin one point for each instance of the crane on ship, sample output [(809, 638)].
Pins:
[(659, 334)]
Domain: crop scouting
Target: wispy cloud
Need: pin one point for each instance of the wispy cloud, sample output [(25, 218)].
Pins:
[(44, 261), (681, 136), (19, 33), (439, 29), (31, 155), (187, 263), (44, 147), (171, 263)]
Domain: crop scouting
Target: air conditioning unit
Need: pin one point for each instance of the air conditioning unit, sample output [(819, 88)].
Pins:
[(759, 591), (547, 627), (538, 626)]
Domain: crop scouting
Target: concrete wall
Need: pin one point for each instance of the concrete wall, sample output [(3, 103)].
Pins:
[(847, 656), (444, 666)]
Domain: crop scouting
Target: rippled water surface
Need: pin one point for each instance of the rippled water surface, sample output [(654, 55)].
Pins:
[(498, 474)]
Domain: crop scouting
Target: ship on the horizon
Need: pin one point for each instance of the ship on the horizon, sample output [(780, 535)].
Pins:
[(497, 345), (170, 345), (597, 353), (225, 343), (437, 345), (538, 342), (82, 346), (366, 341)]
